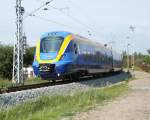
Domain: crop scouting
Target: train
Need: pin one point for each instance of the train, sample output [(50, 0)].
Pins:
[(64, 55)]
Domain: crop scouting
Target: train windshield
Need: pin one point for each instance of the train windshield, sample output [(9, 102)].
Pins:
[(51, 44)]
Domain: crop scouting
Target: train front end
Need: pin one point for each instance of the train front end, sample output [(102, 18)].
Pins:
[(51, 59)]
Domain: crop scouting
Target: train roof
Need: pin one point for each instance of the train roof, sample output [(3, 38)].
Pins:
[(78, 38), (65, 33), (90, 42), (57, 33)]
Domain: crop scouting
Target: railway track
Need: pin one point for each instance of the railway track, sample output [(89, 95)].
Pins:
[(33, 86), (20, 94), (58, 82)]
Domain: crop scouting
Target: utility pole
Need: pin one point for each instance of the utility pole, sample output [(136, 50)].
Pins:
[(132, 28), (128, 58), (110, 43), (18, 46)]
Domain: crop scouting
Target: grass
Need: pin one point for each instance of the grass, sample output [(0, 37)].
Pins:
[(5, 83), (137, 68), (8, 83), (34, 81), (57, 107)]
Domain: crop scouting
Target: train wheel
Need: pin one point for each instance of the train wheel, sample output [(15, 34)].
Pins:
[(76, 77), (53, 81), (63, 78), (95, 75)]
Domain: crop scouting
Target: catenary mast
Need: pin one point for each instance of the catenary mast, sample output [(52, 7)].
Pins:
[(20, 43), (18, 46)]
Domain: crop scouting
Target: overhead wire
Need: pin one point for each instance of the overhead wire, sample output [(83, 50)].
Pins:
[(82, 10), (73, 18), (39, 8), (32, 14), (52, 21)]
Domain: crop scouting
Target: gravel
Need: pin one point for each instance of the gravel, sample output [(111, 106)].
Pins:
[(133, 106), (10, 99)]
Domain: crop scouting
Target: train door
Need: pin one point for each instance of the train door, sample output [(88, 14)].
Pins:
[(111, 60)]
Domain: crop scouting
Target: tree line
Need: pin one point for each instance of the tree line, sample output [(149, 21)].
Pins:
[(6, 60), (140, 60)]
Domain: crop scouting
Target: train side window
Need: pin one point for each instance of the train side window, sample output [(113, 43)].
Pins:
[(75, 48)]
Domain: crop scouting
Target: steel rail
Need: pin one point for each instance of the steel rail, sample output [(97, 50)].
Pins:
[(51, 83)]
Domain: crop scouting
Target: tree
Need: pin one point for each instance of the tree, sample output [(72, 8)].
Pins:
[(148, 51), (29, 56), (6, 60)]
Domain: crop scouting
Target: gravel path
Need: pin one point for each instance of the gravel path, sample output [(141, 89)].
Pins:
[(134, 106)]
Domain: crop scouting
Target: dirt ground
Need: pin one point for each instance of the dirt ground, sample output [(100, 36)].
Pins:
[(134, 106)]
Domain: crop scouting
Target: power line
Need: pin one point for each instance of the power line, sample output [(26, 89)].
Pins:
[(39, 8), (80, 22), (52, 21), (73, 18), (83, 13), (61, 10), (78, 7)]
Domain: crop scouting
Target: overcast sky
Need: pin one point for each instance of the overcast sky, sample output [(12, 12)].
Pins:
[(106, 20)]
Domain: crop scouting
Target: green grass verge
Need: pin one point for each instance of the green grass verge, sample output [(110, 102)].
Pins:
[(8, 83), (137, 68), (57, 107), (5, 83), (34, 81)]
